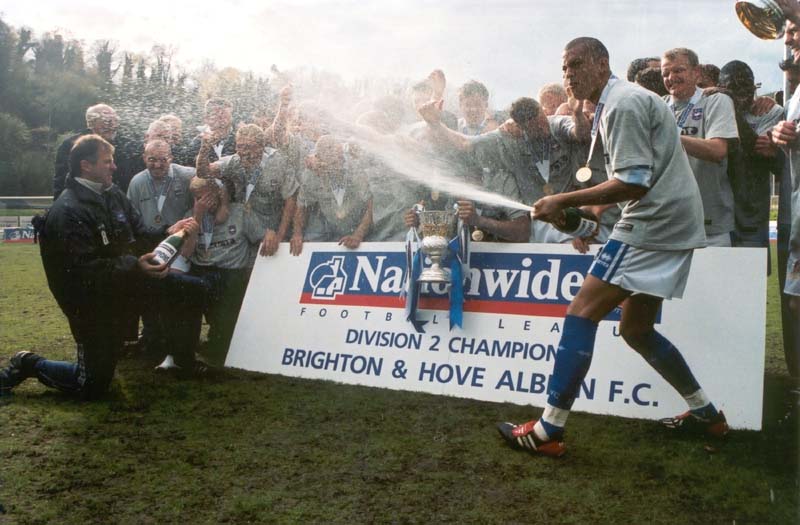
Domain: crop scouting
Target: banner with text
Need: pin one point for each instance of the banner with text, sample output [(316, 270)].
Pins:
[(336, 314)]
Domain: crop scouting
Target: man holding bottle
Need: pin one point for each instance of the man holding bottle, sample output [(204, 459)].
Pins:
[(96, 253), (647, 257)]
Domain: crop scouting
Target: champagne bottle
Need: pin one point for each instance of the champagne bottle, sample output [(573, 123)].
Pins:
[(577, 223), (169, 248)]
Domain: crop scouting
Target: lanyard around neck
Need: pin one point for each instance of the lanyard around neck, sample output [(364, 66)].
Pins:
[(685, 113), (162, 194), (598, 111)]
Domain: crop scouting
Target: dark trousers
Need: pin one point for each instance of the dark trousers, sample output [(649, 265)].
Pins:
[(791, 337), (98, 328), (226, 292)]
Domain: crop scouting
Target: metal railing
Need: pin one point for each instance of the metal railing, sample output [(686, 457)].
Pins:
[(36, 202), (25, 207)]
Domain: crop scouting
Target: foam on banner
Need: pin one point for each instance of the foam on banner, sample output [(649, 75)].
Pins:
[(336, 314)]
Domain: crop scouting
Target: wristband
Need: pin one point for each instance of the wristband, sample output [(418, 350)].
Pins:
[(181, 264)]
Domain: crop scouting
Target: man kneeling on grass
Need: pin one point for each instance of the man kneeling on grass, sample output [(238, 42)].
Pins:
[(96, 253)]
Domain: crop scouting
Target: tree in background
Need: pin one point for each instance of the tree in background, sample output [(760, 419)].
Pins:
[(46, 84)]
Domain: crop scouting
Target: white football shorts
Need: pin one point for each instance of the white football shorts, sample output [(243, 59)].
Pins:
[(658, 273)]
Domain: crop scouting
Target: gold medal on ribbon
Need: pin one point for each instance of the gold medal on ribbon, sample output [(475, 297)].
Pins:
[(157, 219), (340, 214), (477, 235), (584, 174), (548, 189)]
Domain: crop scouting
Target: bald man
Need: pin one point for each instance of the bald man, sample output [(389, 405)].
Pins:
[(161, 192)]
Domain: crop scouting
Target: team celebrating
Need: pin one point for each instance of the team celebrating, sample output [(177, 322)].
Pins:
[(680, 156)]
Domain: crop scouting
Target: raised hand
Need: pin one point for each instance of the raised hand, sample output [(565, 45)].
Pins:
[(431, 111)]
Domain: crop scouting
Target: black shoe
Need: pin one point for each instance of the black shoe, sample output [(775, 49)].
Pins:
[(20, 367), (715, 427), (202, 369), (26, 362), (9, 378), (522, 437)]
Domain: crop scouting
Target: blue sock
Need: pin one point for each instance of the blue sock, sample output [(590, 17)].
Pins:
[(668, 361), (706, 412), (553, 431), (572, 361), (700, 405)]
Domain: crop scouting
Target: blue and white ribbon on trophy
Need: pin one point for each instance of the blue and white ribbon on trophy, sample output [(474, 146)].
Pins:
[(458, 261), (413, 270)]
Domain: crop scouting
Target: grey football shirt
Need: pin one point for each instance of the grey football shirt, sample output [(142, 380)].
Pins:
[(277, 182), (502, 183), (144, 191), (540, 165), (334, 207), (712, 117), (226, 246), (231, 169), (638, 131)]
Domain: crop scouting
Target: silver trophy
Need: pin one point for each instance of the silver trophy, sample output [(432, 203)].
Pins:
[(763, 18), (436, 227)]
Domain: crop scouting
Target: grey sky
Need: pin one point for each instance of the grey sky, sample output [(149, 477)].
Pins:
[(512, 46)]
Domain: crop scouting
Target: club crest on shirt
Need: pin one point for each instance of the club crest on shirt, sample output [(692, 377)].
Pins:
[(697, 113), (232, 229)]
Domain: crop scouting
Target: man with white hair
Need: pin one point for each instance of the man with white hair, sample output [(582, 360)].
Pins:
[(180, 149), (101, 119), (550, 97)]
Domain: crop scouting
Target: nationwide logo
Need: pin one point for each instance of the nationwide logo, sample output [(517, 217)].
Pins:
[(328, 279), (501, 283)]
